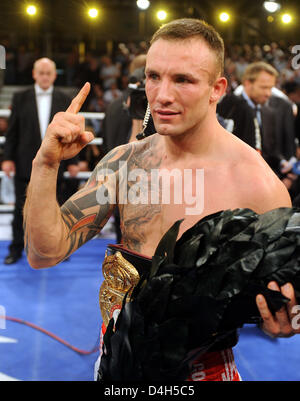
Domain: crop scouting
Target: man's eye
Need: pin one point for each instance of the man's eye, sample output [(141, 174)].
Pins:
[(153, 76), (182, 80)]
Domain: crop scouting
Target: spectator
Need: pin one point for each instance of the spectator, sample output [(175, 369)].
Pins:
[(112, 93), (254, 120), (98, 105), (109, 72), (88, 70), (71, 67)]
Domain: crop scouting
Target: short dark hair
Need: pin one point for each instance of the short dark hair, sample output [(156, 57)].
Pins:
[(187, 28)]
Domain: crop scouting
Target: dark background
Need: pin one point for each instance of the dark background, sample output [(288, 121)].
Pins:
[(61, 24)]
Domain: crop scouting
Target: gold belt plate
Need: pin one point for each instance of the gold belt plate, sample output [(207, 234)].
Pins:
[(120, 277)]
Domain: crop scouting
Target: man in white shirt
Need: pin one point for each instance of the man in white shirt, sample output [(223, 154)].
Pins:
[(32, 110), (43, 102)]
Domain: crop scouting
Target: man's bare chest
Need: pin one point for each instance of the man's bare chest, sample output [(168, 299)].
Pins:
[(188, 195)]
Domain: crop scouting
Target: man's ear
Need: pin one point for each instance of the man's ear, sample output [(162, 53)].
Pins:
[(246, 83), (218, 89)]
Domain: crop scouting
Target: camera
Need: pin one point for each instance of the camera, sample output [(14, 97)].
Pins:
[(139, 109), (138, 106), (138, 101)]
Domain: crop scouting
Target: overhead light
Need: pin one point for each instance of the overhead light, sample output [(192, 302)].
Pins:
[(286, 18), (161, 15), (272, 6), (93, 13), (31, 10), (224, 17), (143, 4)]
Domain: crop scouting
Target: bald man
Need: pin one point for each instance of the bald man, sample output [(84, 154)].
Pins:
[(32, 110)]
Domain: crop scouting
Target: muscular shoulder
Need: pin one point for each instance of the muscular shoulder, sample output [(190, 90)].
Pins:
[(138, 154), (259, 185)]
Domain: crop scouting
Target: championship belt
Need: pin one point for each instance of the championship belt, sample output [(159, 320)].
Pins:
[(121, 270)]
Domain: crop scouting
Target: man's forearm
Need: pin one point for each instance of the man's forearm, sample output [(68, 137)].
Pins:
[(43, 224), (47, 235)]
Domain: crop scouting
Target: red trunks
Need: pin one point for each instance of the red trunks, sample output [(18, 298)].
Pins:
[(215, 366)]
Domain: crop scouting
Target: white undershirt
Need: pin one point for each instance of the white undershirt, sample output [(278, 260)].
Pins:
[(44, 102)]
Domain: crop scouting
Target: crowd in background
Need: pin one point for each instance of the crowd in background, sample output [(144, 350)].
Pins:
[(238, 57), (109, 74), (94, 67)]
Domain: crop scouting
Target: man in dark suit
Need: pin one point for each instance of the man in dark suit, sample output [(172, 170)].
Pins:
[(31, 112), (260, 119), (285, 126)]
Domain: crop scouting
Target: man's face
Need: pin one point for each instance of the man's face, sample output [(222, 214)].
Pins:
[(44, 74), (259, 91), (178, 84)]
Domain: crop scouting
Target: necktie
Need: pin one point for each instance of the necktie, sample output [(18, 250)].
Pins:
[(257, 124)]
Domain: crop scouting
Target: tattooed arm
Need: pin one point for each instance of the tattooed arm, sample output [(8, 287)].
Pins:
[(87, 211), (53, 233)]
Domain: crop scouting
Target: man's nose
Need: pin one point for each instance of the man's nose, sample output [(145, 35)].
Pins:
[(165, 93)]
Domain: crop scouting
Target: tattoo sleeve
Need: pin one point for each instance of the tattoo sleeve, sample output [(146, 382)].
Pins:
[(136, 217), (87, 211)]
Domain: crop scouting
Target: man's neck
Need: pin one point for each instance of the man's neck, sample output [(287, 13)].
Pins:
[(200, 143)]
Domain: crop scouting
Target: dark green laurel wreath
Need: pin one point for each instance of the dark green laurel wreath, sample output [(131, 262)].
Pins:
[(199, 290)]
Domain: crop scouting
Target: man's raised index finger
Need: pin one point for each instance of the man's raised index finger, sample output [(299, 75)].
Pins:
[(79, 99)]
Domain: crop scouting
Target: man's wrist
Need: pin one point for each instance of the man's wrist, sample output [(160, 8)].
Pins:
[(40, 162)]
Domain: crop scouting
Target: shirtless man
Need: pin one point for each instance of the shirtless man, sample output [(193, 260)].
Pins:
[(183, 84)]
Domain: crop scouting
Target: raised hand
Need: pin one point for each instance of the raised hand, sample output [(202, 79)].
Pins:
[(66, 135)]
